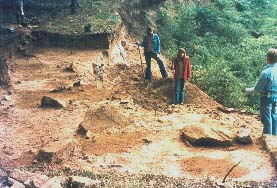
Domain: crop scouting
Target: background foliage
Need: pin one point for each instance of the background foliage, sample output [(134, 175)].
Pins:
[(227, 42)]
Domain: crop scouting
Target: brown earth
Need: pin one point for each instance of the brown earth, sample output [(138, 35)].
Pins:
[(201, 166), (132, 124)]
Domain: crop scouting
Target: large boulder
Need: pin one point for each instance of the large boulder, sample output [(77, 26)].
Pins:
[(206, 135), (214, 136)]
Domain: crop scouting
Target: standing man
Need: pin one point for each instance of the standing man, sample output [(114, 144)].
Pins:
[(151, 44), (267, 86), (19, 11), (182, 73)]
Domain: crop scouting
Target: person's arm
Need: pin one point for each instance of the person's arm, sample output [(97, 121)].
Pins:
[(259, 86), (188, 67), (261, 83), (141, 43)]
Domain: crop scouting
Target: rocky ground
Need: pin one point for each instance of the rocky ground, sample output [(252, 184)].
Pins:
[(87, 117), (109, 120)]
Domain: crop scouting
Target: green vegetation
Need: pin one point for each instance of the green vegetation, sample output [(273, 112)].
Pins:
[(219, 37), (101, 15)]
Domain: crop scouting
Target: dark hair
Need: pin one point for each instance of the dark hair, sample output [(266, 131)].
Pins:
[(149, 29)]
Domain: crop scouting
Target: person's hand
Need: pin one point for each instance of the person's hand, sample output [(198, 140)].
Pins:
[(249, 90)]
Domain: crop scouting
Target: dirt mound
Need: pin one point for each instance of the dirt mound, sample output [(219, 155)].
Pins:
[(197, 97), (110, 128), (106, 116), (156, 95)]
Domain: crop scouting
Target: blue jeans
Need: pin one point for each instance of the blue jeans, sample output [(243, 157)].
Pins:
[(180, 91), (148, 73), (268, 111)]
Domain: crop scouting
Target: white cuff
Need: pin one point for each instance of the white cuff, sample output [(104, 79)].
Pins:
[(249, 90)]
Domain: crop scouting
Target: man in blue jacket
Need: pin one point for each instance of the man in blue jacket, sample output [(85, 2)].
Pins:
[(267, 86), (151, 44)]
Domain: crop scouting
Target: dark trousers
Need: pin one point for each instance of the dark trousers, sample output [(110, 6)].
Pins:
[(148, 72)]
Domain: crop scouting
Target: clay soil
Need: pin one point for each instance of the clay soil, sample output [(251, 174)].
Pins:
[(132, 125)]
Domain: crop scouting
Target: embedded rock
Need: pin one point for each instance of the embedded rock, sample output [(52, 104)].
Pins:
[(56, 152), (48, 102), (205, 135), (243, 137)]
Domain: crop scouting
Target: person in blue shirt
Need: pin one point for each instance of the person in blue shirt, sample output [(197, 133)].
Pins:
[(151, 44), (267, 87)]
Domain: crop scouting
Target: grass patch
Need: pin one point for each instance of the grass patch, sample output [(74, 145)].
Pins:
[(57, 17)]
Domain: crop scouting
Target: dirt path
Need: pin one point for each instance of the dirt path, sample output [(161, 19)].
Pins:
[(133, 128)]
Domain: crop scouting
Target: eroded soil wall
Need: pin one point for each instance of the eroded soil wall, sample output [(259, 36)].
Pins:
[(4, 77), (79, 41), (12, 41), (7, 50)]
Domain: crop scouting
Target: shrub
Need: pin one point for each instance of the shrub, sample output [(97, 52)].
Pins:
[(226, 59), (219, 82)]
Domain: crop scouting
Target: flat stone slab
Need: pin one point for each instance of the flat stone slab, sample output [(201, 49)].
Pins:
[(214, 136), (205, 135)]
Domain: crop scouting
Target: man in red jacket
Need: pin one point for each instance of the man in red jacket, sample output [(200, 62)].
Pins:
[(182, 73)]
